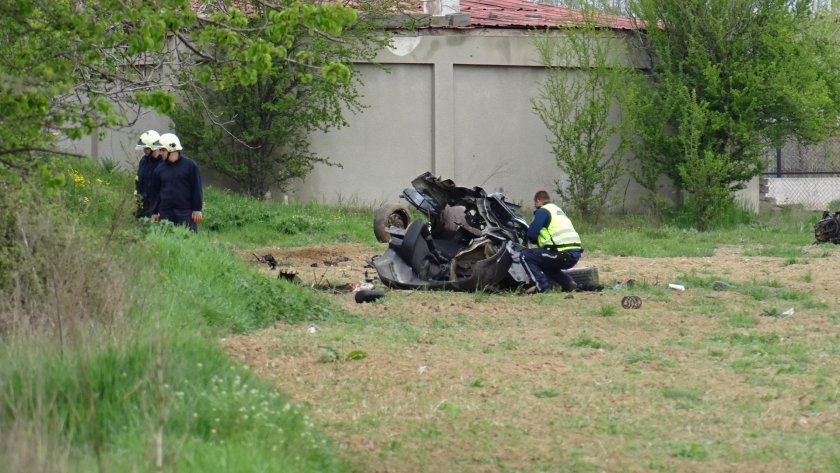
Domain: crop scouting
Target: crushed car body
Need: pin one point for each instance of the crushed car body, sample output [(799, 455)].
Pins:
[(470, 241)]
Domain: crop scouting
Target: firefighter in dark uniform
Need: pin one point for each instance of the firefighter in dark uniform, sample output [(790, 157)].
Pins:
[(143, 181), (177, 185), (558, 246)]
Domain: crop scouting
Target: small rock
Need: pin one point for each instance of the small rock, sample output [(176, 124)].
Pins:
[(721, 286)]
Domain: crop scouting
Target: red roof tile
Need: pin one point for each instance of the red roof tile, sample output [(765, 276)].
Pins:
[(486, 13), (528, 14)]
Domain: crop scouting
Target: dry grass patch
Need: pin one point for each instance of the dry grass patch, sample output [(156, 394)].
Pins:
[(692, 381)]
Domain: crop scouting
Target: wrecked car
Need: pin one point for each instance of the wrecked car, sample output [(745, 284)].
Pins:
[(470, 240)]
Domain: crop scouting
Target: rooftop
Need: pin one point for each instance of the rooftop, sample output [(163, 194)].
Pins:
[(529, 14)]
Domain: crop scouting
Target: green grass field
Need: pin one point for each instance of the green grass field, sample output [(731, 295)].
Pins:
[(139, 347)]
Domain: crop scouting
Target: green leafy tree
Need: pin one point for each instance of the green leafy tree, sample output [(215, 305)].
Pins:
[(252, 124), (729, 79), (583, 76), (69, 67)]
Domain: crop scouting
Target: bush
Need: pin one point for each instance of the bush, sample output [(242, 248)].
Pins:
[(56, 282)]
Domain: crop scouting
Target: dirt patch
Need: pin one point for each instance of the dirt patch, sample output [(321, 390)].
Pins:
[(322, 265), (694, 380)]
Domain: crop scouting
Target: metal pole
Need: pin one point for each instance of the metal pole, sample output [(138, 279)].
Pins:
[(778, 162)]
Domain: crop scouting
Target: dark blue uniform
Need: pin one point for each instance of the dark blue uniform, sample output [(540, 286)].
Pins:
[(546, 265), (143, 185), (179, 191)]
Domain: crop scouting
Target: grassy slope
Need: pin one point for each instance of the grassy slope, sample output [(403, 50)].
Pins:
[(94, 400)]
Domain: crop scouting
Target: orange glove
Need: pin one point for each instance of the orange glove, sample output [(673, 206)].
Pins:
[(197, 217)]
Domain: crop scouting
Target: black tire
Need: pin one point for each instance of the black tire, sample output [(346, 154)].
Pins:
[(585, 276), (390, 215), (368, 295)]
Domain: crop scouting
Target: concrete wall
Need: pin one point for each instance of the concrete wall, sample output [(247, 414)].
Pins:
[(118, 145), (456, 103)]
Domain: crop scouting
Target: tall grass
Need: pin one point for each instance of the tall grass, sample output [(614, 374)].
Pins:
[(252, 223), (133, 378)]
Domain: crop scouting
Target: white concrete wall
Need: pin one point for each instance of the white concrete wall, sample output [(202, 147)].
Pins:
[(119, 145), (814, 193), (384, 148), (472, 91)]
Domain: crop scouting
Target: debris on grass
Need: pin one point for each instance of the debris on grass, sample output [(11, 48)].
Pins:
[(368, 295), (721, 286), (631, 302), (356, 355), (775, 313), (328, 355)]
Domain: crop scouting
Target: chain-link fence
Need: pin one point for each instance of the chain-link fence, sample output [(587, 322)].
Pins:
[(803, 174)]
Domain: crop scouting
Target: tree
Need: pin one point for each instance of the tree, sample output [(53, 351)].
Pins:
[(729, 79), (583, 77), (70, 67), (252, 125)]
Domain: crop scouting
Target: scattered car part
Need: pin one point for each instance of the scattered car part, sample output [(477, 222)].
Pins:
[(368, 295), (631, 302), (828, 228), (267, 259), (721, 286)]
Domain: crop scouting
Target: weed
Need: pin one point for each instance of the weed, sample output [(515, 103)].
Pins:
[(740, 320), (547, 393), (607, 310), (790, 262), (694, 451), (585, 341), (641, 355)]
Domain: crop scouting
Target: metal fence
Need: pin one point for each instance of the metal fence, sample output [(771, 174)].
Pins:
[(808, 175)]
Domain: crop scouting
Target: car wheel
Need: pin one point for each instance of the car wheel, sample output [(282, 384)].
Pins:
[(585, 276), (389, 215)]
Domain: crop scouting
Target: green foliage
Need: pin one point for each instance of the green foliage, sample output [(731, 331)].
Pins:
[(278, 74), (575, 107), (729, 79), (67, 63)]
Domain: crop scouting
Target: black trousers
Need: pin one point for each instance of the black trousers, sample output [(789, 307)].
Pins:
[(546, 266)]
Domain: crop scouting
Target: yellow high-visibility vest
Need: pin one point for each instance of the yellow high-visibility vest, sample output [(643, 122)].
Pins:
[(559, 234)]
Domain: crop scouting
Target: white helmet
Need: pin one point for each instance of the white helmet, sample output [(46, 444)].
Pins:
[(169, 142), (147, 140)]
